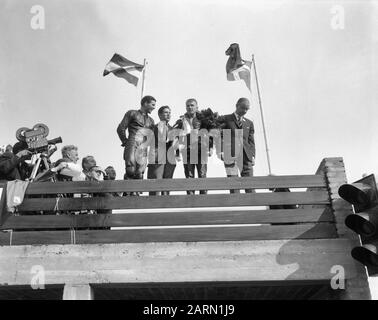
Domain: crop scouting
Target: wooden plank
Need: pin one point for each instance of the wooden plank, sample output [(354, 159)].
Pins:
[(36, 237), (169, 219), (259, 182), (234, 261), (177, 201), (39, 222), (263, 232)]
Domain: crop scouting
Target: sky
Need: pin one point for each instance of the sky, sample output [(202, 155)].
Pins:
[(318, 83)]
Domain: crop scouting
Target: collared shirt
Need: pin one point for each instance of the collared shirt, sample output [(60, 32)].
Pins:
[(187, 123), (238, 118), (163, 129)]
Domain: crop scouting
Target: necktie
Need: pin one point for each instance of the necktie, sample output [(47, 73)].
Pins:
[(239, 121)]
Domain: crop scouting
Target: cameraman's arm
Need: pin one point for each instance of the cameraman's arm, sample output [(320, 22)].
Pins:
[(10, 161)]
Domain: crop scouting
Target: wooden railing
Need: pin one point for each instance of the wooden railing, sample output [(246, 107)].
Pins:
[(38, 223)]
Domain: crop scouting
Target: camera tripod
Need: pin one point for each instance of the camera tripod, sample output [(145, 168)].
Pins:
[(41, 165)]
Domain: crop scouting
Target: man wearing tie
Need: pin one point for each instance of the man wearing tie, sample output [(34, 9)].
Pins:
[(238, 147), (160, 158)]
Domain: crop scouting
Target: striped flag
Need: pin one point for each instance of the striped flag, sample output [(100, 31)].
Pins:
[(122, 68), (236, 67), (242, 73)]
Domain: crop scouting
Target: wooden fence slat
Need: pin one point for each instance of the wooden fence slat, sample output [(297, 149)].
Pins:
[(169, 219), (259, 182), (263, 232), (36, 237), (176, 201)]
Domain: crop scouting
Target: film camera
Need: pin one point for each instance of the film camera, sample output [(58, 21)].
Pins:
[(36, 142), (35, 138)]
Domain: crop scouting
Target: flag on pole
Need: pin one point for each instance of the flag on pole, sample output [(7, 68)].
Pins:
[(236, 67), (124, 68)]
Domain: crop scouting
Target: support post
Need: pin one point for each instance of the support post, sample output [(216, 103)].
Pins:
[(77, 292), (334, 171)]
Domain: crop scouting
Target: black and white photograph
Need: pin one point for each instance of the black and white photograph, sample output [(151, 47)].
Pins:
[(188, 155)]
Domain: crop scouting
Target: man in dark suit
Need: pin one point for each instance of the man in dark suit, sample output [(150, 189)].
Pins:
[(160, 160), (238, 147)]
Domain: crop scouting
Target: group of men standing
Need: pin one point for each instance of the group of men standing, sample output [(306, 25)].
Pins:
[(160, 146)]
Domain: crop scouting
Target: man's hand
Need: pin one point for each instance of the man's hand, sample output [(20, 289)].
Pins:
[(24, 154), (52, 149), (253, 161), (178, 123), (61, 166), (124, 143)]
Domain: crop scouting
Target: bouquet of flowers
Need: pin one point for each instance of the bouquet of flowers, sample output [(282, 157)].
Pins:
[(208, 119)]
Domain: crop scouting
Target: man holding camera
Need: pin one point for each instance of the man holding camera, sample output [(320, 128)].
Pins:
[(13, 164)]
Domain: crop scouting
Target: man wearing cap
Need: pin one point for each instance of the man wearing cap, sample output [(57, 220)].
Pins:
[(13, 165), (139, 125)]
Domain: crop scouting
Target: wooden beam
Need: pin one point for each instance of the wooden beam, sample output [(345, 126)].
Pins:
[(334, 172), (275, 260), (176, 201), (169, 218), (259, 182), (259, 232)]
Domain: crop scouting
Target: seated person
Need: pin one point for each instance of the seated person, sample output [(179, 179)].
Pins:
[(73, 171), (95, 173), (110, 174), (87, 163)]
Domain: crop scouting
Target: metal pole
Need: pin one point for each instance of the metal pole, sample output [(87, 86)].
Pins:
[(143, 77), (262, 115)]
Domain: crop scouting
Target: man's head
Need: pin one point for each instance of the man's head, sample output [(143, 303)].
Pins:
[(110, 173), (164, 113), (242, 106), (88, 162), (19, 146), (96, 173), (191, 106), (70, 152), (148, 104), (9, 148)]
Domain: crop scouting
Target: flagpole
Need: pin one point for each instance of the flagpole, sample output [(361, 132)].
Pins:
[(143, 77), (262, 115)]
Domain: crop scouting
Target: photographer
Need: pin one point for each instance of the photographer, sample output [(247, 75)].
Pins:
[(13, 163)]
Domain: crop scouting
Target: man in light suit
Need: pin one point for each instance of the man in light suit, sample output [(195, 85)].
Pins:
[(238, 153), (161, 154)]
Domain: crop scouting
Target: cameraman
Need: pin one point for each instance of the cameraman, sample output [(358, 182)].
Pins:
[(12, 163)]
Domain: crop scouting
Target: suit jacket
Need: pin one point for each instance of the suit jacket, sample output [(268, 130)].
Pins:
[(158, 148), (229, 122)]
